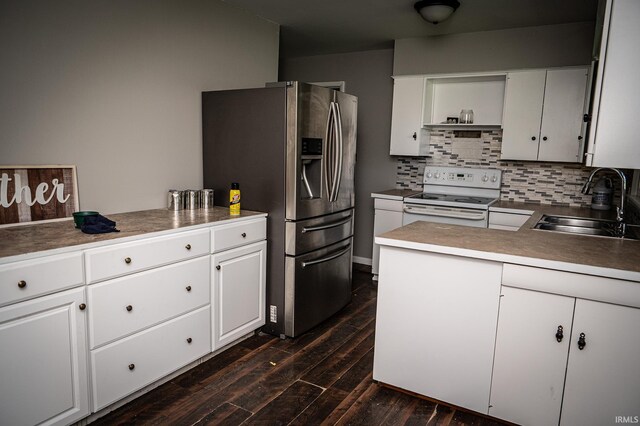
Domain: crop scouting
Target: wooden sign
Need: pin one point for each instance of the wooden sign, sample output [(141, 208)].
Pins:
[(37, 193)]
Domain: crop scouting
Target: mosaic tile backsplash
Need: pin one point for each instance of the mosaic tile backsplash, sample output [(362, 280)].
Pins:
[(544, 183)]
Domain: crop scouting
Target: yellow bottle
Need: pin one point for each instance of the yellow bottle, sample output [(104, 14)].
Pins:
[(234, 199)]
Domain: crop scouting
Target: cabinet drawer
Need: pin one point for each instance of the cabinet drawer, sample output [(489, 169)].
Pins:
[(126, 258), (31, 278), (136, 361), (224, 237), (508, 219), (384, 204), (152, 296)]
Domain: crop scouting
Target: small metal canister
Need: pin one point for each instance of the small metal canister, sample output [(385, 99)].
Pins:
[(175, 200), (192, 199), (206, 198)]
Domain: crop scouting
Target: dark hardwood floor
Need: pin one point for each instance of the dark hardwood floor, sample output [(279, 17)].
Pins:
[(321, 377)]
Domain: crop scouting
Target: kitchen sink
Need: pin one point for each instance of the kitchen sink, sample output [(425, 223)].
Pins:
[(585, 226)]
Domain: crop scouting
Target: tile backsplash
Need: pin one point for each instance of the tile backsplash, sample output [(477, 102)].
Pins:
[(544, 183)]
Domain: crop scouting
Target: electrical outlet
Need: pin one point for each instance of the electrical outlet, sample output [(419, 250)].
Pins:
[(273, 313)]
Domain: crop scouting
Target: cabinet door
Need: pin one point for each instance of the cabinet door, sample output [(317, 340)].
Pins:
[(407, 135), (530, 362), (524, 94), (43, 361), (383, 221), (238, 295), (561, 131), (613, 136), (436, 325), (603, 379)]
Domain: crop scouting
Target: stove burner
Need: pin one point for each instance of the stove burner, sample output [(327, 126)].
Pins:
[(468, 200), (429, 197)]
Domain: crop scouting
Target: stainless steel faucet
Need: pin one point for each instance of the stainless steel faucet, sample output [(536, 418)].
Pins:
[(619, 209)]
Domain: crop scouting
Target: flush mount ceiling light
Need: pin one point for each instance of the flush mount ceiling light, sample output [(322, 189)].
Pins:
[(436, 11)]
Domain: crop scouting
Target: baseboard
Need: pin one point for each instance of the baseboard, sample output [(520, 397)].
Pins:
[(362, 260)]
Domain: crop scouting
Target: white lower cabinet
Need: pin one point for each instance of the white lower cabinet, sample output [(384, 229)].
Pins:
[(238, 292), (43, 360), (131, 363), (436, 325), (388, 216)]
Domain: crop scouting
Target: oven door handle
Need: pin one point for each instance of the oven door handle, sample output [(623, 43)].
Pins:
[(326, 259), (330, 225), (444, 212)]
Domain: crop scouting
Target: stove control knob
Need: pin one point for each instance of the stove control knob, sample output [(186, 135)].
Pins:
[(494, 178), (437, 175), (429, 175), (485, 178)]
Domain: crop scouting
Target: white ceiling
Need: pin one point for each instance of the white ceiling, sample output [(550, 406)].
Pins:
[(312, 27)]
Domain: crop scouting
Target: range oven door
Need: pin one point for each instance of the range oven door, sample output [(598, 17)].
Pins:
[(439, 214), (317, 285)]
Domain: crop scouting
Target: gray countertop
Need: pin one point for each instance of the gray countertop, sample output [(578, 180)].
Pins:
[(28, 239)]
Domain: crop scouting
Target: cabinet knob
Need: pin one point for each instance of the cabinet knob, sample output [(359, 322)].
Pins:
[(189, 340), (188, 246), (127, 260), (132, 366), (22, 283), (415, 136), (582, 342), (82, 306), (129, 308), (188, 288), (559, 334), (579, 138), (533, 138), (244, 235), (544, 138), (218, 267)]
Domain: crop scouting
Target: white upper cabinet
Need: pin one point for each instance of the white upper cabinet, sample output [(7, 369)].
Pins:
[(407, 135), (543, 115), (613, 136)]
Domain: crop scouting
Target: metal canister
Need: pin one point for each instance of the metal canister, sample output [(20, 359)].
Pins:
[(206, 198), (175, 200), (192, 199)]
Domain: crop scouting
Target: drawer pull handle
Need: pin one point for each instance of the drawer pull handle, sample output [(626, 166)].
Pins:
[(188, 288), (129, 308), (582, 342), (189, 340), (218, 267), (188, 246), (22, 283), (244, 235), (127, 260), (559, 334), (132, 366), (82, 306)]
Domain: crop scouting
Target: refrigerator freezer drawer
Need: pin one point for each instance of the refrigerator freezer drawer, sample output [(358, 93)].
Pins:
[(304, 236), (317, 285)]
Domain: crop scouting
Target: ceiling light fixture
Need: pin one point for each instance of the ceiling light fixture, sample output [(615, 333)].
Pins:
[(436, 11)]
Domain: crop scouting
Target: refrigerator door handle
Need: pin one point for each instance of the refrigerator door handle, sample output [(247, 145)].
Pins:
[(339, 148), (327, 165), (326, 226), (326, 259)]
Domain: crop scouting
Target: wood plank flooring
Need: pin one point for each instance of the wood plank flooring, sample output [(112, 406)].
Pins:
[(323, 377)]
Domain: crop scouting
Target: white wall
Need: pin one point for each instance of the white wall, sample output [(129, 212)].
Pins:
[(530, 47), (113, 86)]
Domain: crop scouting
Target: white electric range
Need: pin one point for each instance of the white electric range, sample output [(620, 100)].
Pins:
[(456, 195)]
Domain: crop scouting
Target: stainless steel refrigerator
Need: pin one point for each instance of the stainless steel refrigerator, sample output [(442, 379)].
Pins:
[(291, 147)]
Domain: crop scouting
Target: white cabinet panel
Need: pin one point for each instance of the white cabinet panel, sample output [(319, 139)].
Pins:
[(530, 362), (436, 325), (127, 258), (43, 373), (407, 135), (131, 363), (603, 379), (126, 305), (383, 221), (238, 295), (613, 136), (499, 220), (32, 278)]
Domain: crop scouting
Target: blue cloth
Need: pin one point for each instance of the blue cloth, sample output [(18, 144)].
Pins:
[(98, 224)]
